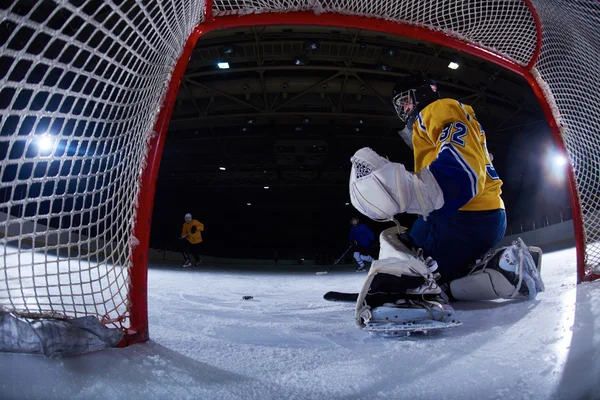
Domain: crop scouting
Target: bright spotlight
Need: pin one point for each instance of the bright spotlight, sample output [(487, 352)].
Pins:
[(223, 65), (222, 168), (560, 160), (453, 65), (45, 143), (266, 187), (555, 166)]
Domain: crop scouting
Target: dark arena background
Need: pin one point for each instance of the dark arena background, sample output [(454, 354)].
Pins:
[(260, 151)]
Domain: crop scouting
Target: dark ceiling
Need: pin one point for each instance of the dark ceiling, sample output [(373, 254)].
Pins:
[(293, 106)]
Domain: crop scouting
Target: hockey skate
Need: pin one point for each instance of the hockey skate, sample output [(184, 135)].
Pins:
[(187, 264), (400, 294), (361, 268), (411, 314)]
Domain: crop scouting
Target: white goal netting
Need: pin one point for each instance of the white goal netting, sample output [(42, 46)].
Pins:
[(81, 86), (569, 64), (82, 83)]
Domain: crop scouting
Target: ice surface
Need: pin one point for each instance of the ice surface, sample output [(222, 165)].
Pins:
[(289, 343)]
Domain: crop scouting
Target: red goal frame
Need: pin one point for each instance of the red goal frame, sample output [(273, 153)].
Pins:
[(138, 331)]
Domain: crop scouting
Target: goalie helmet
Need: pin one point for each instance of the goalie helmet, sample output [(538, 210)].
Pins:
[(188, 217), (411, 95)]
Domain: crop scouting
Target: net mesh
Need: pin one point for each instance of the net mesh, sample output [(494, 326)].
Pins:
[(506, 27), (569, 66), (82, 83), (360, 169)]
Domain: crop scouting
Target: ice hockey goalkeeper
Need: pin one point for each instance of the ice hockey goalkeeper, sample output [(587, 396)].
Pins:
[(456, 193)]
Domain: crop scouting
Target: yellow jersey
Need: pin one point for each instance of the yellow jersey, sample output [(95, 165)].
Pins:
[(449, 140), (195, 237)]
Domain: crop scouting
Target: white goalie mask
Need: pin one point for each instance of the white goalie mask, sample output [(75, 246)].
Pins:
[(411, 95), (405, 104)]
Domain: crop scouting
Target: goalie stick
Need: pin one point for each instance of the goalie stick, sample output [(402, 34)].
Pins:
[(340, 296)]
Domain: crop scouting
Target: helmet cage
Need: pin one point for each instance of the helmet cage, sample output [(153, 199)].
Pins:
[(405, 104)]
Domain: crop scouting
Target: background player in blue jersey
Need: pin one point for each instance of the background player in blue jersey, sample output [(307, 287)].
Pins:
[(362, 238)]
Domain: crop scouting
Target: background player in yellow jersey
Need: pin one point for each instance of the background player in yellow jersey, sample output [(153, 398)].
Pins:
[(192, 237), (455, 190)]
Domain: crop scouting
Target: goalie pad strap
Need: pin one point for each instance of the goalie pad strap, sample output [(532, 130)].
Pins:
[(486, 285)]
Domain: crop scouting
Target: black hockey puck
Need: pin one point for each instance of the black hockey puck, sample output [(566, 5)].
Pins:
[(247, 297)]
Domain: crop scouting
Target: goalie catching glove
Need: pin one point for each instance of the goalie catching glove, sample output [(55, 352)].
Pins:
[(380, 189)]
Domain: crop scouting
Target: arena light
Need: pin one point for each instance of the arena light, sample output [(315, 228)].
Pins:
[(304, 60), (453, 65), (45, 143), (223, 65), (554, 166), (266, 187), (560, 160), (222, 168), (311, 45), (248, 204)]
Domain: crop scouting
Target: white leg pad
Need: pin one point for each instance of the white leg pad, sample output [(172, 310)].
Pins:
[(486, 285), (391, 266), (392, 247)]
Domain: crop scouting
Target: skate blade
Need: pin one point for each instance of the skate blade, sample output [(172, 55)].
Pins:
[(389, 329)]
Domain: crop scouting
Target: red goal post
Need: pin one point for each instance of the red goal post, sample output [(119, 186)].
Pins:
[(517, 48), (143, 49)]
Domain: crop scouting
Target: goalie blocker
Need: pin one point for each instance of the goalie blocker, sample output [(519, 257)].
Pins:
[(400, 294)]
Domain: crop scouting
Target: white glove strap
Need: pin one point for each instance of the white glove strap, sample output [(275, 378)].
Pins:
[(380, 189)]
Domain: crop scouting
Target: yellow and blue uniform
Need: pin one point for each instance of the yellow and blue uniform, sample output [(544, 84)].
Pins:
[(448, 139)]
